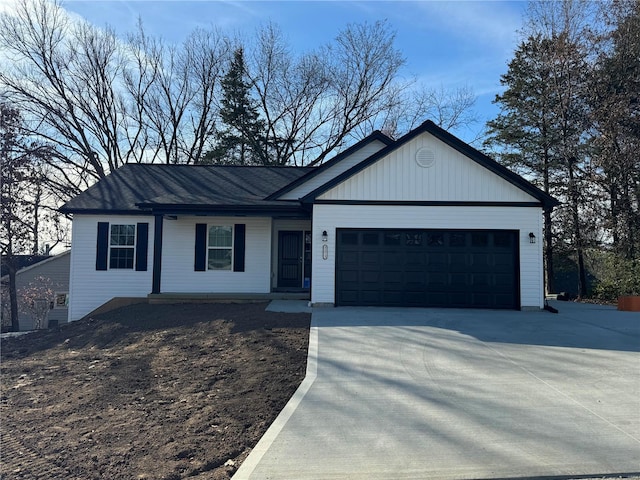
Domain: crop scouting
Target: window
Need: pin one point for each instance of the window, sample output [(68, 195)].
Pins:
[(61, 300), (220, 247), (479, 239), (458, 239), (435, 239), (122, 246), (392, 238), (413, 239)]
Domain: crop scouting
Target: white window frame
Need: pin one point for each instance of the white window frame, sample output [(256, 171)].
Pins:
[(217, 247), (128, 247)]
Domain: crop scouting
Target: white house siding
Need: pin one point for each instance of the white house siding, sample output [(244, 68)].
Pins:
[(333, 171), (178, 247), (279, 225), (89, 288), (524, 219), (452, 177)]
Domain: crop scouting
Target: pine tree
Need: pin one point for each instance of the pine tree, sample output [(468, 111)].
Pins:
[(241, 141), (615, 107), (525, 130), (542, 127)]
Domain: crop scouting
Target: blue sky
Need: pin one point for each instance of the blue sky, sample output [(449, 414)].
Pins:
[(451, 43)]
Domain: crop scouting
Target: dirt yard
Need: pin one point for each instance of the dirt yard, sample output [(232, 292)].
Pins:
[(147, 392)]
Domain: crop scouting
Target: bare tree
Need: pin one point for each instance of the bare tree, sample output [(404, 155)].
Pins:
[(314, 102), (104, 101), (21, 193), (449, 108), (174, 92), (62, 76)]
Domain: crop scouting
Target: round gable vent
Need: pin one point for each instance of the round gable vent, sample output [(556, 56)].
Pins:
[(425, 157)]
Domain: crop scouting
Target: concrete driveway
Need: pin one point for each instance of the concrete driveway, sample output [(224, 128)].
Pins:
[(453, 394)]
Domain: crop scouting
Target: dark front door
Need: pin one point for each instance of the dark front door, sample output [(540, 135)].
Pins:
[(290, 259)]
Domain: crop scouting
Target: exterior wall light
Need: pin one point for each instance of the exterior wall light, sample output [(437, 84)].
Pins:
[(325, 247), (532, 238)]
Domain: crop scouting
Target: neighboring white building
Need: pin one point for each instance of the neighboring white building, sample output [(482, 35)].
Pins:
[(422, 221), (55, 270)]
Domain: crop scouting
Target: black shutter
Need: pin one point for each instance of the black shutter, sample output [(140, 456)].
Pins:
[(102, 246), (200, 264), (142, 245), (239, 247)]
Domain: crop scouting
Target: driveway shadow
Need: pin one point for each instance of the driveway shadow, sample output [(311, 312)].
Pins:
[(575, 325)]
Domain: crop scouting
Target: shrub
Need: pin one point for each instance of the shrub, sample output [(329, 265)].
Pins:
[(37, 299), (616, 276)]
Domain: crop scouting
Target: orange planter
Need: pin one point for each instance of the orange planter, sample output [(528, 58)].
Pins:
[(629, 304)]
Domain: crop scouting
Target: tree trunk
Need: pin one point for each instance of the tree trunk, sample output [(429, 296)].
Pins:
[(577, 231), (548, 252), (548, 233)]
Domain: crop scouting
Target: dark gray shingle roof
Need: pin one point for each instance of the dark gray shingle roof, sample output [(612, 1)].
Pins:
[(134, 188)]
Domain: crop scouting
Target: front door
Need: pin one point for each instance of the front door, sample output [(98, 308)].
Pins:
[(290, 259)]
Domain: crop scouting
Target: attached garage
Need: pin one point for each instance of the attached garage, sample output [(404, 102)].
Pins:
[(428, 221), (427, 268)]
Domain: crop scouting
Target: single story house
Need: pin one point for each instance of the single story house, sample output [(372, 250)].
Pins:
[(54, 270), (425, 220)]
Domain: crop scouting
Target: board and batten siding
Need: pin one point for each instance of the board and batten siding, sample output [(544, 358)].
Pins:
[(524, 219), (452, 177), (334, 170), (90, 288), (178, 247)]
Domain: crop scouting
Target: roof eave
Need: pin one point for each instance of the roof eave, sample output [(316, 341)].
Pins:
[(376, 135), (547, 200)]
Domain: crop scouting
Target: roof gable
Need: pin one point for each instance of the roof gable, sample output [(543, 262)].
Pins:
[(458, 173), (333, 167)]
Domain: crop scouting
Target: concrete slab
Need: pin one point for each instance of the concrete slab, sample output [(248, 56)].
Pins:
[(289, 306), (458, 394)]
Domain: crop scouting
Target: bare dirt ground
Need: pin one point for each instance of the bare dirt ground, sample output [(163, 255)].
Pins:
[(147, 392)]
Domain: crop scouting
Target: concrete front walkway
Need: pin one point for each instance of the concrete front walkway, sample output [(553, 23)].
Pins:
[(454, 394)]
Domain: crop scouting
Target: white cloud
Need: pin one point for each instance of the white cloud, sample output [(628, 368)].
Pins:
[(492, 24)]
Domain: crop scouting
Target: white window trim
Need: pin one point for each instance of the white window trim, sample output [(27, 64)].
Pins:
[(230, 248), (132, 247)]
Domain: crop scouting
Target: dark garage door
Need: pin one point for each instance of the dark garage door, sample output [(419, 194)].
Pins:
[(428, 268)]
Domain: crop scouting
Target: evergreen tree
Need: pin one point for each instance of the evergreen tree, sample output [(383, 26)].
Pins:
[(615, 105), (542, 128), (241, 141), (525, 130)]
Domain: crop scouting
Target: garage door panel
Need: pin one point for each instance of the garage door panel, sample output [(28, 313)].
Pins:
[(458, 262), (479, 280), (349, 276), (415, 260), (370, 297), (371, 258), (481, 300), (503, 281), (370, 276), (458, 281), (393, 277), (456, 268), (349, 258), (480, 262)]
